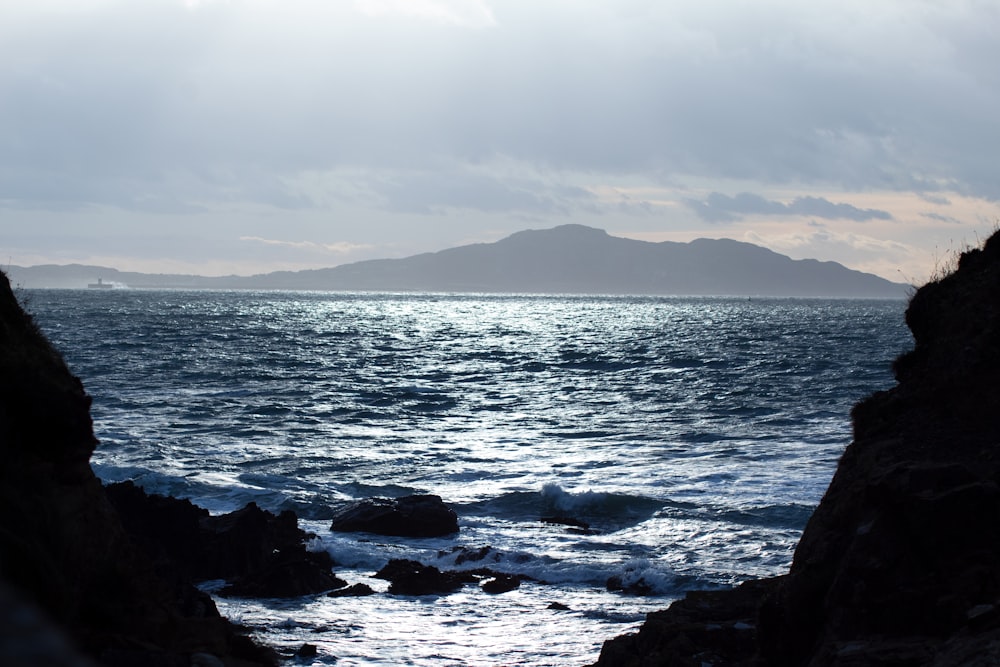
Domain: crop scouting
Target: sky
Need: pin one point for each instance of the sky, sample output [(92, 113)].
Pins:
[(246, 136)]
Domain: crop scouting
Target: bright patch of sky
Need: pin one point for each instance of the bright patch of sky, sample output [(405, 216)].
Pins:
[(244, 136)]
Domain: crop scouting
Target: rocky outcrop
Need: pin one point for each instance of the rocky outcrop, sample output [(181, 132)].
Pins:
[(409, 577), (63, 550), (258, 553), (409, 516), (899, 563)]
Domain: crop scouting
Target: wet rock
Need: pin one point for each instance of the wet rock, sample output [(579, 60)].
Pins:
[(307, 651), (259, 553), (356, 590), (409, 516), (291, 572), (468, 555), (408, 577), (501, 583), (628, 586), (576, 525)]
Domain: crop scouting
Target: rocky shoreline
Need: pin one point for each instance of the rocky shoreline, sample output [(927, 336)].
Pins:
[(897, 566)]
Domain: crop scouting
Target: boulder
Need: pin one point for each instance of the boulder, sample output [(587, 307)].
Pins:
[(409, 516), (408, 577), (353, 591), (501, 583)]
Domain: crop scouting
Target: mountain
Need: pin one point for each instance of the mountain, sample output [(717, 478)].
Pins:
[(569, 259)]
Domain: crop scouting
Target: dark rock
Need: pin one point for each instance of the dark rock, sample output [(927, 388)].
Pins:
[(558, 606), (467, 555), (259, 553), (168, 529), (618, 584), (581, 526), (356, 590), (898, 564), (501, 583), (307, 651), (409, 516), (62, 545), (706, 627), (408, 577), (291, 572)]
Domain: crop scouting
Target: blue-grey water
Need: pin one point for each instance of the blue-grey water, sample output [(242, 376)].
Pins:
[(693, 435)]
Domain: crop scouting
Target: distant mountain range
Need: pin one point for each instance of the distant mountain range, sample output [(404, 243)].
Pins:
[(569, 259)]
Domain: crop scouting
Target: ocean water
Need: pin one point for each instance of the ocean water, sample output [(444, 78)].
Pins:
[(693, 435)]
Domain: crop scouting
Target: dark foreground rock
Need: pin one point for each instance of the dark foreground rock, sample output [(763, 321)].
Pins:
[(899, 563), (258, 553), (409, 516), (64, 554)]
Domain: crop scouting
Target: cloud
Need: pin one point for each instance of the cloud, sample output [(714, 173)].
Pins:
[(467, 13), (447, 188), (718, 207), (116, 102), (340, 248), (849, 248), (941, 218)]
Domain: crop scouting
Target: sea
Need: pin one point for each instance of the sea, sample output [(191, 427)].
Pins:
[(693, 436)]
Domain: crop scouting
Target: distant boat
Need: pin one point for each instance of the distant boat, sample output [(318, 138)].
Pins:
[(100, 284)]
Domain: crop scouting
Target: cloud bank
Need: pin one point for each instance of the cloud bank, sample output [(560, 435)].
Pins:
[(720, 208)]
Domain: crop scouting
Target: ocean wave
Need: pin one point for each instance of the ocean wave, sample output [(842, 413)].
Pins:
[(597, 509)]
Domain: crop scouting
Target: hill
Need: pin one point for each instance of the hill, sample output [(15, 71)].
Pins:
[(569, 259)]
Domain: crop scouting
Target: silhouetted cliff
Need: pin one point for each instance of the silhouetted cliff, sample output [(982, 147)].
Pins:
[(900, 563), (64, 555)]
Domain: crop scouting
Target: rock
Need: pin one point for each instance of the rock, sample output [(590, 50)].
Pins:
[(288, 573), (705, 627), (628, 585), (168, 529), (259, 553), (307, 651), (897, 565), (408, 577), (468, 555), (501, 583), (575, 525), (28, 638), (906, 540), (62, 545), (356, 590), (409, 516)]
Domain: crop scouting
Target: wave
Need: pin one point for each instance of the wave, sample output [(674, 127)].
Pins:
[(603, 511), (792, 515), (631, 576)]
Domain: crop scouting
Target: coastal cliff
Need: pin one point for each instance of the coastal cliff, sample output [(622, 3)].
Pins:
[(899, 563), (65, 560)]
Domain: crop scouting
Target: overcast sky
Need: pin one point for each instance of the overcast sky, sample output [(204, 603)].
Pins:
[(244, 136)]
